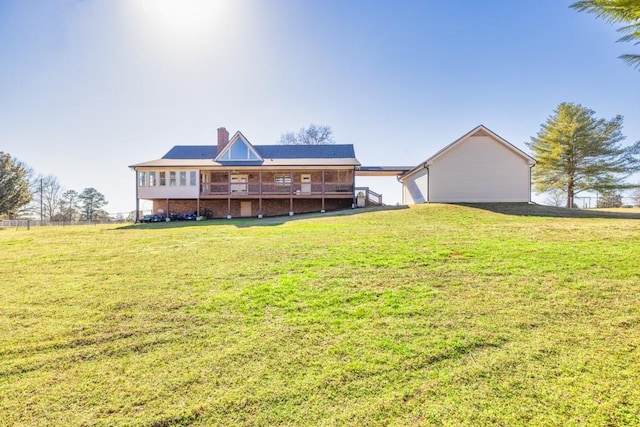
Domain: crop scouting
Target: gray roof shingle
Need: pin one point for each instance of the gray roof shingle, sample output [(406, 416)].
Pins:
[(185, 152), (334, 151)]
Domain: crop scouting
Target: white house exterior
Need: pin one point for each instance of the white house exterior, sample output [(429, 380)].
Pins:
[(479, 167)]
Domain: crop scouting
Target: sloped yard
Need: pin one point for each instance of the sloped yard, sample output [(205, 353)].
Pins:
[(434, 315)]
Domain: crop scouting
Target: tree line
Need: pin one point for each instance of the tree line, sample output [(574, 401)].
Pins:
[(26, 194)]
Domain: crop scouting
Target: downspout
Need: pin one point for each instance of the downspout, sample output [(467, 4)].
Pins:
[(530, 177), (404, 200), (428, 183)]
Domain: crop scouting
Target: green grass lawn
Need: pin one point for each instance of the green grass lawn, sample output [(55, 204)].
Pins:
[(434, 315)]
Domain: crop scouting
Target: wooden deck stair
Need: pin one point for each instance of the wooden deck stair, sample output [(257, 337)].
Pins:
[(371, 198)]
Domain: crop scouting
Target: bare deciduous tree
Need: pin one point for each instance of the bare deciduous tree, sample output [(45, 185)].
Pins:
[(312, 135), (50, 196), (69, 205), (556, 197), (45, 191)]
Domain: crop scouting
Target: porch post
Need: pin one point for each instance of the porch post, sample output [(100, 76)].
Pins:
[(137, 214), (167, 211), (199, 192), (353, 187), (228, 194), (260, 195), (322, 209), (291, 194)]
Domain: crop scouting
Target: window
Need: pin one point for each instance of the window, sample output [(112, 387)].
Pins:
[(183, 178), (152, 179), (282, 179), (172, 178), (192, 178), (163, 178), (142, 179), (240, 151)]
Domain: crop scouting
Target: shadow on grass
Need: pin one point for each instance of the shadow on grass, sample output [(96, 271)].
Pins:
[(255, 222), (526, 209)]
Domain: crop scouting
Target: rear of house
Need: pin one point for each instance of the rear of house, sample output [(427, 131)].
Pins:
[(479, 167), (238, 179)]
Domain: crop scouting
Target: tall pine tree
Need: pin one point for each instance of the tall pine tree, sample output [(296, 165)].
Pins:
[(91, 201), (576, 152), (14, 186)]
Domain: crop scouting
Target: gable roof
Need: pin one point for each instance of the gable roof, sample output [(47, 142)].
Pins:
[(269, 155), (479, 130), (252, 155)]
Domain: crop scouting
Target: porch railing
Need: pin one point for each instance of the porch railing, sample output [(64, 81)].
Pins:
[(371, 198), (253, 188)]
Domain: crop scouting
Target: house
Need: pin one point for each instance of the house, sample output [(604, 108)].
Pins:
[(239, 179), (478, 167)]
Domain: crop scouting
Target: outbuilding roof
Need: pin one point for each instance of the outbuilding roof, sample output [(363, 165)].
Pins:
[(479, 130)]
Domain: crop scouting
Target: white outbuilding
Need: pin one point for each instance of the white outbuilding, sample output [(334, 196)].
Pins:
[(479, 167)]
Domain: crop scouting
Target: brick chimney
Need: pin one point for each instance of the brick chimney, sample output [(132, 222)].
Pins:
[(223, 139)]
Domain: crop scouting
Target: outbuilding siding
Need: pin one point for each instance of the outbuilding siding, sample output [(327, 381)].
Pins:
[(479, 169), (416, 189)]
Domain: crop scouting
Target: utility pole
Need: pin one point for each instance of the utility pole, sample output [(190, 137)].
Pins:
[(41, 196), (70, 207)]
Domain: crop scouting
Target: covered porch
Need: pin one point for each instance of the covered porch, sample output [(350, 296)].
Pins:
[(277, 183)]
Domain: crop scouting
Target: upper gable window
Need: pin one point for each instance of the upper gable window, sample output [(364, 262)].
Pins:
[(239, 151)]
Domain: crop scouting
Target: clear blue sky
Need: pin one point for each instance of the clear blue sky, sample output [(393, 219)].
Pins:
[(90, 87)]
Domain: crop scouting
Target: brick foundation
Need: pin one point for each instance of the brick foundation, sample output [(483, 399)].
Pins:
[(270, 207)]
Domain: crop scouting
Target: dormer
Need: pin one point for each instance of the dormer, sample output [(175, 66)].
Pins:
[(239, 149)]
